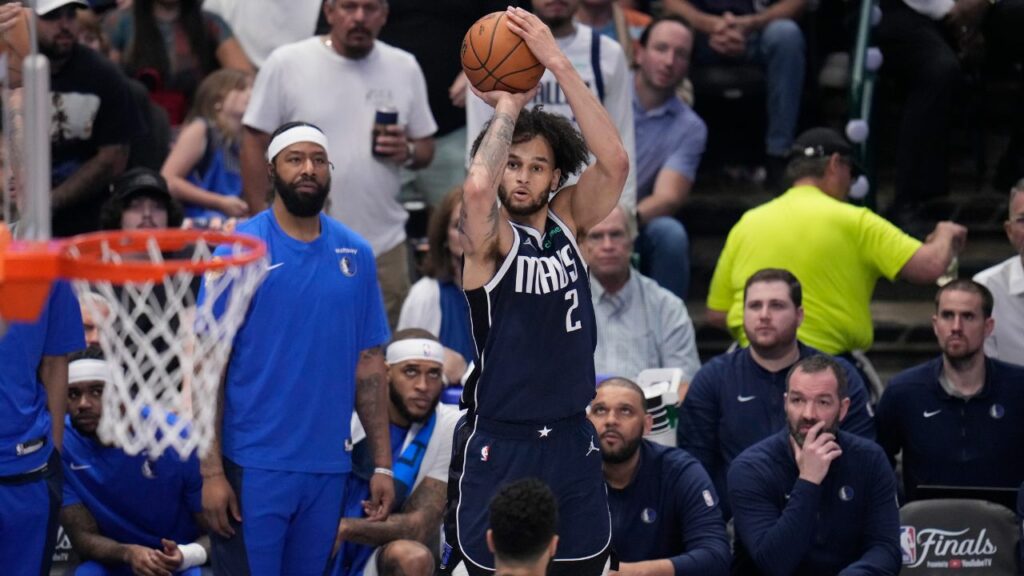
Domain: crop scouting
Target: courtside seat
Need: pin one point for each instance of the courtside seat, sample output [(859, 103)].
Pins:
[(945, 537)]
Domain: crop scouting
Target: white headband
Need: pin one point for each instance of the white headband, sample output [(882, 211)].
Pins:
[(415, 349), (301, 133), (88, 370)]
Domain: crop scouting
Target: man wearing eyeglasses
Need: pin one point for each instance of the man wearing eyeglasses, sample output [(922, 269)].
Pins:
[(338, 82), (1006, 282), (93, 116), (640, 325), (837, 250)]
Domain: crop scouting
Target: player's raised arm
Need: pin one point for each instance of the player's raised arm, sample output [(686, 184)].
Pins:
[(480, 230), (600, 183)]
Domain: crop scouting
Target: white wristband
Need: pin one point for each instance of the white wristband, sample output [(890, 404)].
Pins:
[(384, 471), (192, 555)]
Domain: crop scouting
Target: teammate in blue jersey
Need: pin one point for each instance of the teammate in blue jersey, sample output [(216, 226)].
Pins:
[(124, 514), (736, 400), (531, 312), (665, 516), (812, 500), (421, 448), (309, 350), (33, 381)]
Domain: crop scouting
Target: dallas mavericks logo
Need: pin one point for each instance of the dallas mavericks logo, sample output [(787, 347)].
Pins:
[(997, 411), (348, 266), (648, 515), (347, 263), (846, 493)]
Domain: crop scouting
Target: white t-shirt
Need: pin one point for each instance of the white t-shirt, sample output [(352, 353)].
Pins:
[(439, 448), (263, 25), (310, 82), (422, 307), (1006, 282), (618, 97)]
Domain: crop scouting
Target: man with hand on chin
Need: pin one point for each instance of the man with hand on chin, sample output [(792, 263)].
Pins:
[(811, 499)]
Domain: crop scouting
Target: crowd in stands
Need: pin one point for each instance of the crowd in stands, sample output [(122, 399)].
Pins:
[(788, 458)]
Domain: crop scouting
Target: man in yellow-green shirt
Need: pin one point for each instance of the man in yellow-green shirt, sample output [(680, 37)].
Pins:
[(838, 251)]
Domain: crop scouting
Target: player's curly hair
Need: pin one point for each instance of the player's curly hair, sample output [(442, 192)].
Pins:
[(523, 517), (571, 153)]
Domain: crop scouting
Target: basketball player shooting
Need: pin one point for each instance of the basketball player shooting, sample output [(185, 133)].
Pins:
[(530, 306)]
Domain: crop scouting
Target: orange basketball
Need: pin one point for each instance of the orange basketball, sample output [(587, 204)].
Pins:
[(494, 58)]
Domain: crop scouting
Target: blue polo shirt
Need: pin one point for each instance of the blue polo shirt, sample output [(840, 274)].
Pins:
[(134, 500), (24, 417), (733, 403), (670, 511), (952, 441), (290, 387), (848, 524), (670, 136)]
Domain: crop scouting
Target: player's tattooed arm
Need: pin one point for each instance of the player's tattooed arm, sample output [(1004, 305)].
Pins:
[(86, 538), (371, 403), (493, 151), (371, 406), (478, 216), (420, 519)]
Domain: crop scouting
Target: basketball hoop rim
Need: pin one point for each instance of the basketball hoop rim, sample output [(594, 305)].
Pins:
[(81, 256)]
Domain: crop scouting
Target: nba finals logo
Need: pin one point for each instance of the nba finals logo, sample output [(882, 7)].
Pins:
[(908, 544), (934, 548)]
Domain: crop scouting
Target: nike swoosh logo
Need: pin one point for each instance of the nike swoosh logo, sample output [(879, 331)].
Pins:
[(273, 266), (928, 414), (80, 466), (745, 398)]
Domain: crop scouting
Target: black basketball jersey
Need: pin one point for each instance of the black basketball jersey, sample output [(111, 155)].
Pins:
[(534, 330)]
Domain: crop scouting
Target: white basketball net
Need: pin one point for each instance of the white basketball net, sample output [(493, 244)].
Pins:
[(166, 350)]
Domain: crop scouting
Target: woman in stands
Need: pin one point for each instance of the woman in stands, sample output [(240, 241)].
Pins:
[(171, 45), (436, 302)]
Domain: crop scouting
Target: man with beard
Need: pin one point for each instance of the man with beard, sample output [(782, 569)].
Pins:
[(531, 313), (94, 118), (125, 514), (362, 75), (421, 448), (957, 418), (812, 500), (737, 399), (310, 348), (665, 516), (602, 64)]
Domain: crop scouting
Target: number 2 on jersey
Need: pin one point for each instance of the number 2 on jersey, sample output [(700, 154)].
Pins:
[(570, 324)]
